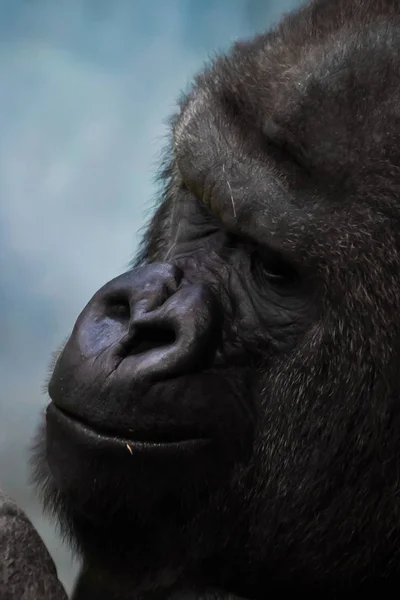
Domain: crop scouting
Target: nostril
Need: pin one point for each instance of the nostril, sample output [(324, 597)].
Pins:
[(117, 307), (149, 337)]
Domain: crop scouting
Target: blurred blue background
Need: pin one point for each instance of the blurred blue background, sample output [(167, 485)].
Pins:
[(86, 88)]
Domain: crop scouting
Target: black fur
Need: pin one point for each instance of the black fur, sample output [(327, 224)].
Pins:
[(280, 222)]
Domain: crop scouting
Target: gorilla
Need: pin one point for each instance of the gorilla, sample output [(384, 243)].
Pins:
[(225, 416)]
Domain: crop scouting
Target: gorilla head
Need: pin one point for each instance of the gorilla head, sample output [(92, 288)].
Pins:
[(225, 415)]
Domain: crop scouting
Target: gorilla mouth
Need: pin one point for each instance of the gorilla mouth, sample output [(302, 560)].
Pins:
[(133, 441)]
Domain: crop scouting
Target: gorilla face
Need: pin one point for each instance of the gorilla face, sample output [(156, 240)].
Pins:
[(226, 413)]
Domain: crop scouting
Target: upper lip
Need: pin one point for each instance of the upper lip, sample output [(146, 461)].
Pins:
[(153, 436)]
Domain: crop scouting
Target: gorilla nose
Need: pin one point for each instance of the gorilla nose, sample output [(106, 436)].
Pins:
[(150, 323)]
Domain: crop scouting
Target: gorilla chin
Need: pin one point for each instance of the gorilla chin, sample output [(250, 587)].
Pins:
[(225, 415), (77, 453)]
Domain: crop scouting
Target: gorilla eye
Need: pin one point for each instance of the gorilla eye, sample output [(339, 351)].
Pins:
[(268, 266)]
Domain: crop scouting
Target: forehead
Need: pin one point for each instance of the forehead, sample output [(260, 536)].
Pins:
[(332, 98)]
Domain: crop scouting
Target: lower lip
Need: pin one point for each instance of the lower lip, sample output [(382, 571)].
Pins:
[(94, 438)]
